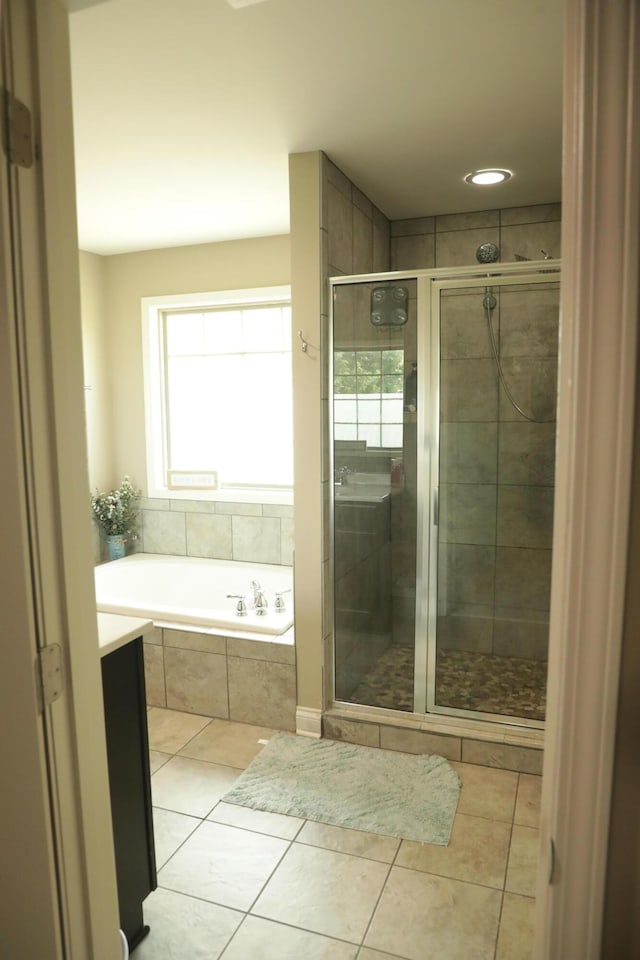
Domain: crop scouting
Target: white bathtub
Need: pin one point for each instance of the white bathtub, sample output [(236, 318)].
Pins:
[(192, 591)]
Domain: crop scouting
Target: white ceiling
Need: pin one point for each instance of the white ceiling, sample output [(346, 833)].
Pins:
[(185, 110)]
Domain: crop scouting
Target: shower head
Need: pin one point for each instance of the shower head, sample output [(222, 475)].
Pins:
[(487, 253)]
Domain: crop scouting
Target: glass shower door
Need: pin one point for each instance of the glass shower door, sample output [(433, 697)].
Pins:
[(491, 447), (374, 493)]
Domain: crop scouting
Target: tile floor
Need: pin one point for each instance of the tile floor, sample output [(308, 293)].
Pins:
[(238, 884)]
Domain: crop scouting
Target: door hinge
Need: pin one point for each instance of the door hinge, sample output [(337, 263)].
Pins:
[(51, 676), (551, 865), (17, 137)]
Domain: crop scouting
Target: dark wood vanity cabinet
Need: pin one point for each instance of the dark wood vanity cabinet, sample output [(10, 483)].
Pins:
[(125, 715)]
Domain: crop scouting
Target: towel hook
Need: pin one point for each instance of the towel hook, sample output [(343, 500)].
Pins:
[(305, 343)]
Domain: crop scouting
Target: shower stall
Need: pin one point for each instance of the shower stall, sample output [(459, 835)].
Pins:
[(443, 434)]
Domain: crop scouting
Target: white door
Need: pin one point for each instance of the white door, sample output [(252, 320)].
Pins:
[(57, 879)]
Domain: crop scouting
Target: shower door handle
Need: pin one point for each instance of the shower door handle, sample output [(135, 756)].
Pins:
[(436, 506)]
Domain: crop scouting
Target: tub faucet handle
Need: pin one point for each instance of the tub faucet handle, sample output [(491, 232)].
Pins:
[(241, 607), (280, 604)]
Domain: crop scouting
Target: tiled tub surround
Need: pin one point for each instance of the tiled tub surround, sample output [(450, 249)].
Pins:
[(255, 532), (251, 680)]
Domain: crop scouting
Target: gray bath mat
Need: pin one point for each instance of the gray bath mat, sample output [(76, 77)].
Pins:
[(380, 791)]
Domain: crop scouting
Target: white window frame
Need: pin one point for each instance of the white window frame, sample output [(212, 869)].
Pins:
[(152, 355)]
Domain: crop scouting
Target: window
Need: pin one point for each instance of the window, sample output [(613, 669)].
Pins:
[(218, 395), (368, 396)]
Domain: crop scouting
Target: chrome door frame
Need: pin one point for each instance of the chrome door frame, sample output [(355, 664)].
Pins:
[(430, 282), (428, 445)]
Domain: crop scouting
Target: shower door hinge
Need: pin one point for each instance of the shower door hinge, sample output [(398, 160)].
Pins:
[(17, 138), (436, 506), (51, 676)]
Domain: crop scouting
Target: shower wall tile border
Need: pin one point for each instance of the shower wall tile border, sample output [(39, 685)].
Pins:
[(418, 741), (393, 736), (535, 213), (414, 227), (487, 753), (467, 221), (351, 731)]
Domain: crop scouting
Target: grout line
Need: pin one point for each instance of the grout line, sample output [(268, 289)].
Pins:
[(182, 843), (233, 936), (271, 874), (377, 903)]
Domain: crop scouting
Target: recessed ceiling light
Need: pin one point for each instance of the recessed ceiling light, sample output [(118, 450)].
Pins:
[(486, 177)]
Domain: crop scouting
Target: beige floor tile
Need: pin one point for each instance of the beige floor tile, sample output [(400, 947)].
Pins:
[(420, 916), (185, 929), (486, 792), (170, 830), (515, 939), (273, 824), (233, 744), (169, 730), (267, 940), (528, 803), (477, 853), (323, 891), (355, 842), (157, 759), (223, 864), (523, 861), (191, 786)]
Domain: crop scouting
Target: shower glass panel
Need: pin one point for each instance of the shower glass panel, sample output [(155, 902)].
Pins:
[(497, 368), (443, 420), (374, 455)]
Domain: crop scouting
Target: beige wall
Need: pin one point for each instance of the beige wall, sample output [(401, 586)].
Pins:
[(193, 269), (95, 347)]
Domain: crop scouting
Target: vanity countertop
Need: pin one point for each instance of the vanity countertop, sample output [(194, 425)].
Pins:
[(114, 630)]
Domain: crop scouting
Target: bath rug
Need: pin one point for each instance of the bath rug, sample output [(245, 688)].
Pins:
[(380, 791)]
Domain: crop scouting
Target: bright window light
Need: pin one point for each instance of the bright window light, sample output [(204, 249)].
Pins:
[(218, 392)]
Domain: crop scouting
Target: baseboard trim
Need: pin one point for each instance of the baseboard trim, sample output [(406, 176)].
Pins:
[(309, 722)]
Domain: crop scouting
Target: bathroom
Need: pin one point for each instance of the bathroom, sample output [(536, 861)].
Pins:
[(113, 287), (344, 231), (592, 702), (445, 242)]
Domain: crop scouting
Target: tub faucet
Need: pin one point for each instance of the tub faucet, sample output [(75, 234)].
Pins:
[(259, 599)]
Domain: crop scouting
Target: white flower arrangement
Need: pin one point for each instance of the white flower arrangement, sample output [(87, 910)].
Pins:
[(116, 511)]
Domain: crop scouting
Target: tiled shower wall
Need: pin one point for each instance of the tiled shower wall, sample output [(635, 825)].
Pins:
[(497, 469), (496, 597), (355, 239)]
